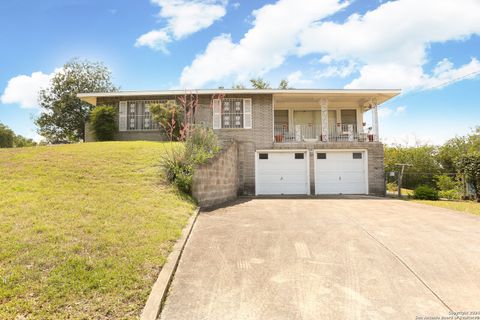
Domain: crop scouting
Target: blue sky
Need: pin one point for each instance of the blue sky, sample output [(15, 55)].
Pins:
[(417, 46)]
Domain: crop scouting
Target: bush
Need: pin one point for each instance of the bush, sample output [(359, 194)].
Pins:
[(392, 186), (102, 120), (445, 183), (179, 163), (452, 194), (169, 116), (425, 193)]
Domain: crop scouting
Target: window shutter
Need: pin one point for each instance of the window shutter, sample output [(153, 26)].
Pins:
[(122, 114), (247, 113), (217, 113)]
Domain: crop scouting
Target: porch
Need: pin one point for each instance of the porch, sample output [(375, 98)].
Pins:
[(312, 119)]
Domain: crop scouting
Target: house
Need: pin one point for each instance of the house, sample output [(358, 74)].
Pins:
[(288, 141)]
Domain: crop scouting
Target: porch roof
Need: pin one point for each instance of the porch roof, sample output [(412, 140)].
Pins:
[(359, 95)]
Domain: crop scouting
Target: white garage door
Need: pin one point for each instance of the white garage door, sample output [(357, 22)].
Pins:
[(340, 172), (282, 173)]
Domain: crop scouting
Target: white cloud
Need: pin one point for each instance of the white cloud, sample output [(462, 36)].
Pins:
[(385, 112), (341, 70), (273, 36), (183, 19), (296, 79), (390, 42), (24, 89), (155, 39)]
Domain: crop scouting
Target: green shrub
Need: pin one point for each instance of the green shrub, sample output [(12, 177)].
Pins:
[(179, 163), (201, 145), (102, 120), (445, 183), (425, 193), (392, 186), (169, 116), (452, 194)]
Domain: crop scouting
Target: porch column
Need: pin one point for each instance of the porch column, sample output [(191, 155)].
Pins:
[(375, 120), (324, 116)]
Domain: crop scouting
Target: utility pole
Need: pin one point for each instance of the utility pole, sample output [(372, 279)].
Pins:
[(400, 177)]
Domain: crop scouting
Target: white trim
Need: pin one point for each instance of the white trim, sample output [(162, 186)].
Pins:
[(315, 151), (240, 91), (247, 113), (216, 114), (122, 115)]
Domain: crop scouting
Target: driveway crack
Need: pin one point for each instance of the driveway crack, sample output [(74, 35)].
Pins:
[(396, 256)]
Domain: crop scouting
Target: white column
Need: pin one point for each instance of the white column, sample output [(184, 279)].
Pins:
[(324, 116), (375, 120)]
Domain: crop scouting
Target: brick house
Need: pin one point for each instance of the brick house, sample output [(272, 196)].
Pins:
[(287, 141)]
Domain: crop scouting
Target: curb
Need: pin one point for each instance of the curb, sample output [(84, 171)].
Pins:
[(160, 288)]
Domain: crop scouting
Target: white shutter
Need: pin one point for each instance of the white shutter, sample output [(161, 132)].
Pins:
[(247, 113), (217, 113), (122, 116)]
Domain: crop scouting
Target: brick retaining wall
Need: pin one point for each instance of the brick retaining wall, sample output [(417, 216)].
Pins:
[(216, 181)]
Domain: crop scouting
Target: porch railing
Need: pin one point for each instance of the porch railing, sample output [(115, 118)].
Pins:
[(313, 133)]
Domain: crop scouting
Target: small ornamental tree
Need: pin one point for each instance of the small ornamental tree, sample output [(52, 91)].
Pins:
[(469, 165), (103, 121), (201, 144), (169, 116)]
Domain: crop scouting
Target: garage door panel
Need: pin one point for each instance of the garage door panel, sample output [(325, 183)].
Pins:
[(340, 172), (281, 173)]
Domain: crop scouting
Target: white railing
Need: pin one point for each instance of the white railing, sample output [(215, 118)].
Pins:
[(313, 133), (140, 122)]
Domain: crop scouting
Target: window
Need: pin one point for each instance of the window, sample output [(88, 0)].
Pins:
[(357, 155), (299, 155), (263, 156), (232, 113), (349, 116), (136, 116), (321, 156)]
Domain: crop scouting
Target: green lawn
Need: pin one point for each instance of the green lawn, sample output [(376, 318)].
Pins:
[(464, 206), (84, 229)]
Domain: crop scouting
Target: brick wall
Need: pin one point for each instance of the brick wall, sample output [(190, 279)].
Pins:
[(153, 135), (216, 181), (249, 140)]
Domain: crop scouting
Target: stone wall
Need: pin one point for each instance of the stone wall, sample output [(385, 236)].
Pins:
[(216, 181)]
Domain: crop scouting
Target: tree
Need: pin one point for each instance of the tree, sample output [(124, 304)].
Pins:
[(284, 84), (469, 165), (238, 86), (7, 137), (422, 164), (450, 152), (20, 142), (259, 83), (64, 115)]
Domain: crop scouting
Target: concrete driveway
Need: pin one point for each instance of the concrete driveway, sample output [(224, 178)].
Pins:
[(328, 259)]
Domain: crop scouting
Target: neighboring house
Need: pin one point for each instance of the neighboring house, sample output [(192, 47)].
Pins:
[(289, 141)]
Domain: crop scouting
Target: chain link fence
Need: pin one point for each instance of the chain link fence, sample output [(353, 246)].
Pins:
[(450, 186)]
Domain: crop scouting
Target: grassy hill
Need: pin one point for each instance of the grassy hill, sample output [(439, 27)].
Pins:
[(84, 229)]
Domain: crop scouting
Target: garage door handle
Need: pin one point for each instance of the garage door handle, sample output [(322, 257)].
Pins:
[(339, 178)]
